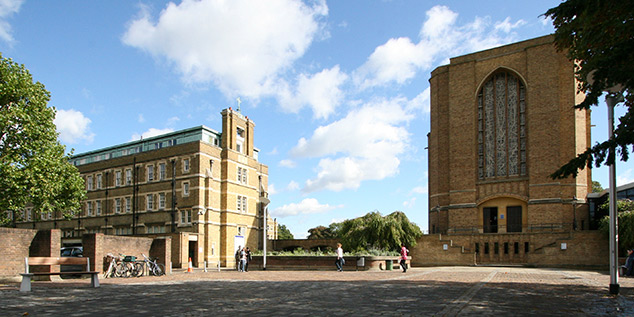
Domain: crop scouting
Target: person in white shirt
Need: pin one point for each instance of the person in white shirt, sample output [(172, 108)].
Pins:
[(339, 262)]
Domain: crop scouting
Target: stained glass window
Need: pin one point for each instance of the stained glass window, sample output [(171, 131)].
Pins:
[(501, 127)]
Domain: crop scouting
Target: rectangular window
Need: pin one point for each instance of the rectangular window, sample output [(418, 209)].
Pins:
[(186, 165), (150, 173), (28, 214), (186, 216), (185, 188), (242, 175), (117, 205), (149, 201), (162, 173), (128, 176), (89, 183), (516, 247), (117, 178), (525, 247), (98, 203), (161, 201), (99, 181), (128, 205), (241, 203), (89, 208), (506, 248)]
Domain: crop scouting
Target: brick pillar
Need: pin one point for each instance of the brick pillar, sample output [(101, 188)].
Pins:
[(162, 249), (93, 249)]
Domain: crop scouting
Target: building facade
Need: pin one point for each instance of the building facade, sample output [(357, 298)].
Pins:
[(207, 188), (502, 121)]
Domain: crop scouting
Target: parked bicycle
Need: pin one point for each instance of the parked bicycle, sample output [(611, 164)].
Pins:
[(130, 267), (123, 266), (154, 268)]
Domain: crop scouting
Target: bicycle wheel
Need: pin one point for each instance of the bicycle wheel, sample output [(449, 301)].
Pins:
[(123, 269), (160, 269), (137, 271)]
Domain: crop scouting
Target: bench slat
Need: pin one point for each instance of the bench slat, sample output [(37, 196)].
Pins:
[(60, 273), (38, 260)]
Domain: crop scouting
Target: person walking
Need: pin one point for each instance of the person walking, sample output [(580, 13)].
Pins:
[(248, 259), (243, 259), (403, 261), (237, 256), (339, 262)]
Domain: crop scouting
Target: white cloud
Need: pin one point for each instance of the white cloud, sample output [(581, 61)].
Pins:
[(306, 206), (173, 120), (242, 46), (420, 102), (400, 59), (625, 177), (272, 189), (141, 118), (150, 133), (364, 145), (410, 203), (8, 8), (73, 126), (419, 190), (287, 163), (292, 186), (320, 91), (506, 26)]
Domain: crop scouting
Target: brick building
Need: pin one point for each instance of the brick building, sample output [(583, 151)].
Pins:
[(502, 121), (205, 188)]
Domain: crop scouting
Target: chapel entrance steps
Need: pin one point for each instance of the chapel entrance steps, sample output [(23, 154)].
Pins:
[(502, 249)]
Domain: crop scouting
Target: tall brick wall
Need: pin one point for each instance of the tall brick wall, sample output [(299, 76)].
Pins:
[(14, 247), (98, 245)]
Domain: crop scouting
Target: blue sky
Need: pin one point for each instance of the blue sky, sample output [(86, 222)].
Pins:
[(338, 90)]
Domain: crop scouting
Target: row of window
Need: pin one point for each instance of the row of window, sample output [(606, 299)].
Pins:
[(97, 181), (124, 205)]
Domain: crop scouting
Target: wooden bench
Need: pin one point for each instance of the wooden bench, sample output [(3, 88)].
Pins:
[(26, 277)]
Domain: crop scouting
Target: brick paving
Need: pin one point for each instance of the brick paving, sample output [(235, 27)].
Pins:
[(435, 291)]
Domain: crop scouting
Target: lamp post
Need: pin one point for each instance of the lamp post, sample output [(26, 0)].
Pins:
[(614, 96), (611, 100)]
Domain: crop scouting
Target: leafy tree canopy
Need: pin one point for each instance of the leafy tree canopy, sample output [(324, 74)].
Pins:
[(625, 208), (596, 187), (321, 232), (374, 231), (284, 233), (33, 167), (598, 35)]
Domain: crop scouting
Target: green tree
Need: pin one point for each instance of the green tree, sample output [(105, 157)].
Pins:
[(374, 231), (321, 232), (33, 167), (598, 35), (596, 187), (283, 233), (625, 209)]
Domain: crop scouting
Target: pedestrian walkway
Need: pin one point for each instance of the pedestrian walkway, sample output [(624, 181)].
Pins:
[(434, 291)]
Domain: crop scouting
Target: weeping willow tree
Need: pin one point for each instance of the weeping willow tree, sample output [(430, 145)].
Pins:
[(374, 231)]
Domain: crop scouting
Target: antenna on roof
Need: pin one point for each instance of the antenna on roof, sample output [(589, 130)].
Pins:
[(239, 102)]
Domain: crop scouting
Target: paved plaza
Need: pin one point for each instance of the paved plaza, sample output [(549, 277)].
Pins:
[(434, 291)]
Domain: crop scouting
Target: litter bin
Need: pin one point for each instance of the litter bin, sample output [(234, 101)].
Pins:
[(388, 265)]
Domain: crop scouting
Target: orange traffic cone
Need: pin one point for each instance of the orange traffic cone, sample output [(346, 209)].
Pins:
[(190, 269)]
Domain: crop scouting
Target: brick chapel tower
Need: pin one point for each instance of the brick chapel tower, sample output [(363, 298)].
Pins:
[(502, 120)]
